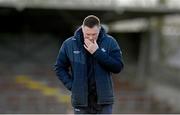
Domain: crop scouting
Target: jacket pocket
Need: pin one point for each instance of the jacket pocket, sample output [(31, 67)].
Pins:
[(78, 57)]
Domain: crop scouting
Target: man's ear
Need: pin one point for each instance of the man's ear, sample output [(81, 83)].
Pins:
[(99, 28)]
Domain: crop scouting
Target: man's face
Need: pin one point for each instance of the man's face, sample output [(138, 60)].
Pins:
[(91, 33)]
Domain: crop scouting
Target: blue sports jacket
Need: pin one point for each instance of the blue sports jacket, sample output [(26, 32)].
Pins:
[(72, 56)]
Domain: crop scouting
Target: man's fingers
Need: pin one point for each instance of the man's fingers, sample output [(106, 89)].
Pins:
[(85, 47), (86, 44), (88, 41)]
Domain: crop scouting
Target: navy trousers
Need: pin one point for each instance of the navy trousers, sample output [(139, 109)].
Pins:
[(93, 107)]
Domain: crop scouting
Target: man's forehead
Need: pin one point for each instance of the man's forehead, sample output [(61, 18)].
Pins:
[(95, 28)]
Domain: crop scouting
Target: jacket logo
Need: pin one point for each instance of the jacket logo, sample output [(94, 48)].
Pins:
[(76, 52), (102, 49)]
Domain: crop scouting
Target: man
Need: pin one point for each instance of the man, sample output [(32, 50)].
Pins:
[(92, 55)]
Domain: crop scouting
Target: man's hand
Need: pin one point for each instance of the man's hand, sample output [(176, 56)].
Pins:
[(90, 46)]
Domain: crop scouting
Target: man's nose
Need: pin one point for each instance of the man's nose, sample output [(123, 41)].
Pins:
[(90, 37)]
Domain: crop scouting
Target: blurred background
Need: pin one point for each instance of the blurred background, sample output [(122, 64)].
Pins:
[(32, 31)]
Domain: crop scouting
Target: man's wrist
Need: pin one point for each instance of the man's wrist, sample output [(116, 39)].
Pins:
[(95, 50)]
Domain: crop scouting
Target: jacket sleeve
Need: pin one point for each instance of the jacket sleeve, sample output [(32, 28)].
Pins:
[(112, 61), (61, 67)]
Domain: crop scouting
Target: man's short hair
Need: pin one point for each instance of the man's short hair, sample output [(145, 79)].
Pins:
[(91, 21)]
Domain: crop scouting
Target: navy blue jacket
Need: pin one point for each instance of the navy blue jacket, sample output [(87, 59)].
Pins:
[(108, 58)]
